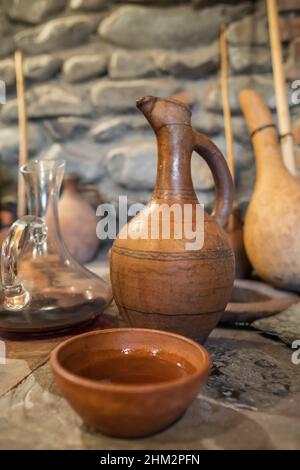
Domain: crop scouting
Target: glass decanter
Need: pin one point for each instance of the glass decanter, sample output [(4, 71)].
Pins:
[(44, 288)]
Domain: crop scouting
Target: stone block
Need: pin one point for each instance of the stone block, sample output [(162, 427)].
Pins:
[(82, 157), (49, 101), (121, 96), (245, 59), (262, 83), (9, 142), (34, 11), (67, 127), (250, 30), (190, 64), (84, 67), (132, 64), (56, 34), (289, 28), (138, 27), (41, 67), (7, 72), (90, 5), (292, 65)]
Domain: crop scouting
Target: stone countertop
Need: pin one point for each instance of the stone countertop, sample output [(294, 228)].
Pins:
[(251, 400)]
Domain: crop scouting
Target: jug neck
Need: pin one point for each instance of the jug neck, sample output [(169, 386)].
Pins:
[(71, 184), (175, 146), (267, 154)]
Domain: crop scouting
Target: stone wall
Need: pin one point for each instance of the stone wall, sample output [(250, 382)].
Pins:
[(87, 61)]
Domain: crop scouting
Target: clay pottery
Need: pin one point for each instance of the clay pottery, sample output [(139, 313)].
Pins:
[(185, 97), (160, 283), (272, 223), (236, 236), (134, 401), (90, 193), (78, 222), (251, 300)]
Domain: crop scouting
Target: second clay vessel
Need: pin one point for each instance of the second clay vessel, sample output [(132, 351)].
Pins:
[(272, 223), (162, 282), (78, 221)]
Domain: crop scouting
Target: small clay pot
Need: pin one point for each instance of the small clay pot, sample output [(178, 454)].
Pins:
[(90, 194), (128, 410), (78, 222)]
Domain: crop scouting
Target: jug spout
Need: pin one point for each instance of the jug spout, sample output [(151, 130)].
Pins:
[(145, 104), (164, 112)]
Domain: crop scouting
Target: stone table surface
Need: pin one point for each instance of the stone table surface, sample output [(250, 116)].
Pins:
[(251, 400)]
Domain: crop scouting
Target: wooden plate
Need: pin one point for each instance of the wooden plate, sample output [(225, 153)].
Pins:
[(255, 299)]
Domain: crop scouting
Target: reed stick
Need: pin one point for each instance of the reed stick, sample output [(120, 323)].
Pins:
[(225, 100), (23, 135), (284, 120)]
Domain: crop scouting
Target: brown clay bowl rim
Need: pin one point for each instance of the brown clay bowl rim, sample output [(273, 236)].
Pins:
[(90, 383)]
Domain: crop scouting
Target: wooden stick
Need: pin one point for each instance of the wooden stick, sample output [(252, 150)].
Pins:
[(225, 99), (23, 136), (284, 120)]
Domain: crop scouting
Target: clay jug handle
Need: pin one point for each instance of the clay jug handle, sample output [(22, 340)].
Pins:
[(223, 181)]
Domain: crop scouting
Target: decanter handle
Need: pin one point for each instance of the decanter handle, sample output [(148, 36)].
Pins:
[(223, 181), (24, 230)]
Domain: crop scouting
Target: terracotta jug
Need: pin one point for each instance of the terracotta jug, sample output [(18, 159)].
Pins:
[(159, 283), (272, 224), (78, 221)]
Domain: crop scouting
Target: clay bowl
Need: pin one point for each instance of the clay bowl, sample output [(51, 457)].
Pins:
[(129, 410)]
